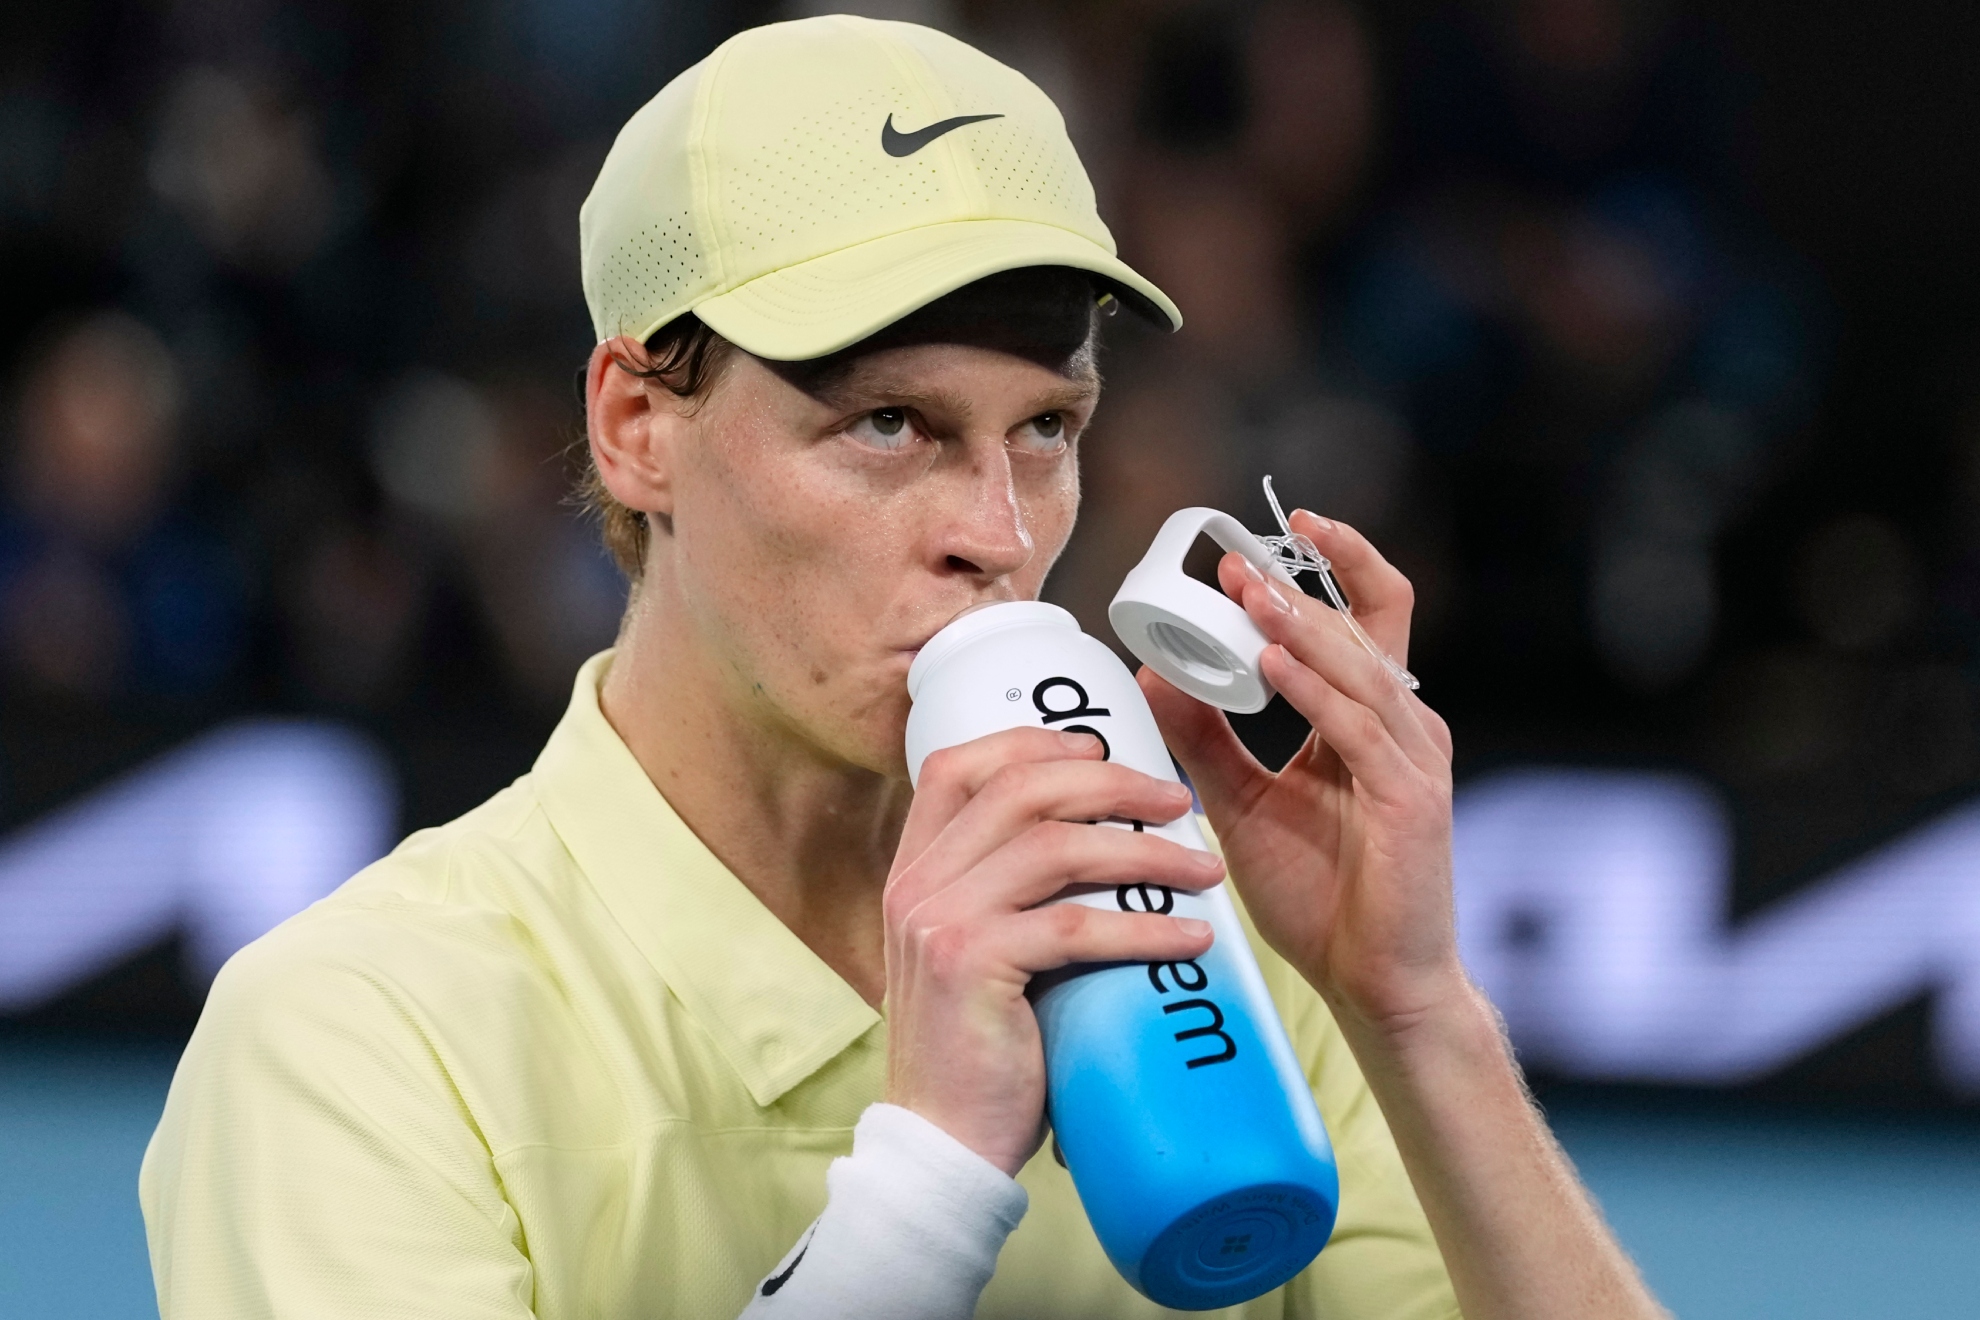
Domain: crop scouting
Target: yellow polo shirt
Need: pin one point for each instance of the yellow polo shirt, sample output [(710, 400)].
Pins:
[(554, 1060)]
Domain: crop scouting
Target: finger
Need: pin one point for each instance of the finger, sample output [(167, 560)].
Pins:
[(1054, 854), (1017, 797), (1357, 734), (1310, 631), (1060, 934), (1380, 594), (1234, 572), (1225, 773), (952, 776), (1434, 724)]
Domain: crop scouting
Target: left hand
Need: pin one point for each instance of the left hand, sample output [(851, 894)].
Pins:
[(1344, 855)]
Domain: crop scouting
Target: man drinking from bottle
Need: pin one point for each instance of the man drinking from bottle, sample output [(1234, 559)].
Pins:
[(709, 1015)]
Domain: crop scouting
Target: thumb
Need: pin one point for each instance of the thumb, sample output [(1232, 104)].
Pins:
[(1224, 771)]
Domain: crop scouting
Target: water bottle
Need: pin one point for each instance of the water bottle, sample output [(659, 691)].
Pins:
[(1181, 1111)]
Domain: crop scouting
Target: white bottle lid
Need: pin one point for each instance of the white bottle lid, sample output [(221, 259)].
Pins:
[(1191, 634)]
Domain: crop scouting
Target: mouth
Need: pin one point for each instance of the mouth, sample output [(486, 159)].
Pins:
[(928, 637)]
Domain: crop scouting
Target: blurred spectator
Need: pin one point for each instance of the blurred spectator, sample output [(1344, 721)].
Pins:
[(1876, 696), (1564, 303), (354, 603), (1149, 452), (1310, 120), (1253, 129), (485, 470), (109, 585), (242, 168), (1847, 688)]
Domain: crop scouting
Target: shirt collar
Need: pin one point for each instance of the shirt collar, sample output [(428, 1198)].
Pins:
[(773, 1007)]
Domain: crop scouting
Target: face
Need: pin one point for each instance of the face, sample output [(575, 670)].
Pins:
[(819, 540), (97, 428)]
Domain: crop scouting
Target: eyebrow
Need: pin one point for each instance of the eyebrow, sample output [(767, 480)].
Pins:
[(860, 387)]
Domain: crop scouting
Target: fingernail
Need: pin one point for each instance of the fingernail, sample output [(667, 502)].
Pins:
[(1079, 742), (1208, 861), (1279, 602), (1193, 928), (1251, 573), (1319, 523)]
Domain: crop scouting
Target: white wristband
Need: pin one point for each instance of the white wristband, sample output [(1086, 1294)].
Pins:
[(912, 1226)]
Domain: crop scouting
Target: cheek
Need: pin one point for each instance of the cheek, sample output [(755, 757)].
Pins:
[(777, 553), (726, 566), (1050, 511)]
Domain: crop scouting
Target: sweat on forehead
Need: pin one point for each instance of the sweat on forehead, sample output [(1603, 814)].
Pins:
[(1043, 314)]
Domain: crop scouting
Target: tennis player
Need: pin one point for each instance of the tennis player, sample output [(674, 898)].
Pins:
[(708, 1015)]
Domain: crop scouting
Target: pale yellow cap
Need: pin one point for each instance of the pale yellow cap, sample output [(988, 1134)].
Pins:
[(802, 187)]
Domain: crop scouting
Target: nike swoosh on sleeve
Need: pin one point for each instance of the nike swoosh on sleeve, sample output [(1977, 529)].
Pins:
[(778, 1280), (896, 143)]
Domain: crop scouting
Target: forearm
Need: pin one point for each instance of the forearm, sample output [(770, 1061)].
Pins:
[(1520, 1235)]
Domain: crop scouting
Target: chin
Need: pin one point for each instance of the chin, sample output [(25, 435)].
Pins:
[(875, 753), (884, 746), (865, 722)]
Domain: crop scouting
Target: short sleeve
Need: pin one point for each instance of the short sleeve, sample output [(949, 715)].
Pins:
[(314, 1158)]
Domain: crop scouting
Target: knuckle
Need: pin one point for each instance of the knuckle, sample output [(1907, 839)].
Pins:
[(915, 926), (900, 900), (1068, 921), (944, 949), (945, 765), (1009, 781)]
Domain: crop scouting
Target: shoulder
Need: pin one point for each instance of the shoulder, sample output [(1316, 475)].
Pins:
[(460, 864), (340, 1101), (427, 971), (414, 921)]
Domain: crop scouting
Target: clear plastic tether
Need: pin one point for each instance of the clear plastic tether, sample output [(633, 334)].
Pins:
[(1297, 554)]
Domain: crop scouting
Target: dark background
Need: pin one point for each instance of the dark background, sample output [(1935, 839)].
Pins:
[(1586, 298)]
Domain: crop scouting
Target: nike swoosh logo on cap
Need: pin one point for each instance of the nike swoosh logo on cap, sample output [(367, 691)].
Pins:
[(896, 143)]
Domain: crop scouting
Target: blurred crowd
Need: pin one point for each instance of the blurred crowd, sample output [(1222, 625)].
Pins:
[(294, 324)]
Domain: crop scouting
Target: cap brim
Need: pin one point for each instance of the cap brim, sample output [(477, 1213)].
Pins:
[(822, 305)]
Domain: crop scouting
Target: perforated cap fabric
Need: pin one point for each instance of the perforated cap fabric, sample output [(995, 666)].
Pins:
[(811, 182)]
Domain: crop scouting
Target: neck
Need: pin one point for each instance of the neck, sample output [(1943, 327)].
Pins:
[(810, 835)]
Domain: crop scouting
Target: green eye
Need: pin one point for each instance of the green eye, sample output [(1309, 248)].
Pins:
[(883, 428), (1043, 433)]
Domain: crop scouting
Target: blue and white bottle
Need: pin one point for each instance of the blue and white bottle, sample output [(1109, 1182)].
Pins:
[(1184, 1117)]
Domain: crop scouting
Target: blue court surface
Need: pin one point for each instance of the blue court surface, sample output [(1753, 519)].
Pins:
[(1732, 1214)]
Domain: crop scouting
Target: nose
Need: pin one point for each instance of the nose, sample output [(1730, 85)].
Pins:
[(982, 531)]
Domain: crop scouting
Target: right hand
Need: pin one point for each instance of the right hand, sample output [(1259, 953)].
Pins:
[(996, 829)]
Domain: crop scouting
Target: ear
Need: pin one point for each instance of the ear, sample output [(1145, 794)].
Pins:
[(634, 433)]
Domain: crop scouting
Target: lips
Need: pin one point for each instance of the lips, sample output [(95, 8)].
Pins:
[(957, 613)]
